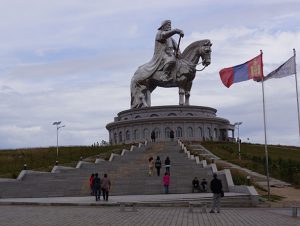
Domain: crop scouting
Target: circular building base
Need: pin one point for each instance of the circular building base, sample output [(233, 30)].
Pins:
[(191, 123)]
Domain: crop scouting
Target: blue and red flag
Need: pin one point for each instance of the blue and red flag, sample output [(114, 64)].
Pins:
[(252, 69)]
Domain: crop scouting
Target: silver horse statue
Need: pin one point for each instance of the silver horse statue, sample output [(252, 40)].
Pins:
[(182, 75)]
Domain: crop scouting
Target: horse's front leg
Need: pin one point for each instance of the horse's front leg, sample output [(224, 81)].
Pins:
[(187, 98), (148, 97), (181, 96), (187, 93)]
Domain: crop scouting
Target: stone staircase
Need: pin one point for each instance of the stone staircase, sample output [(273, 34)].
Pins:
[(128, 174), (134, 177)]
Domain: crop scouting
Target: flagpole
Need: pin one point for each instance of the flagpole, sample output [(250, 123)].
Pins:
[(296, 89), (265, 131)]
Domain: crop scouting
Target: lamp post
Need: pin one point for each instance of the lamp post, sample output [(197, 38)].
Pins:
[(238, 138), (57, 128)]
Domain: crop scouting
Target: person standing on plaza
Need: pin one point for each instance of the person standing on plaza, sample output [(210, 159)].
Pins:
[(105, 185), (97, 187), (151, 166), (166, 182), (158, 165), (168, 164), (216, 188), (91, 183)]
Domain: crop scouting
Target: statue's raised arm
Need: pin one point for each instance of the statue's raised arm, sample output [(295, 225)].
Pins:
[(166, 48), (168, 67)]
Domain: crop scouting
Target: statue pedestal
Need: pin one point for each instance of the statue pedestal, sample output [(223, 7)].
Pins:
[(191, 123)]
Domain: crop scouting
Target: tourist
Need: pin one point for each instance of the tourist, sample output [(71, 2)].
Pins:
[(153, 136), (151, 165), (216, 188), (91, 183), (166, 182), (172, 135), (97, 187), (105, 186), (158, 165), (196, 184), (204, 185), (168, 164)]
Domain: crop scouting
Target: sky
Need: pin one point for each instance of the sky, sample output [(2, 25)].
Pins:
[(72, 61)]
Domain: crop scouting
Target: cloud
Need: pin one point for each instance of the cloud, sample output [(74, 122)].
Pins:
[(73, 61)]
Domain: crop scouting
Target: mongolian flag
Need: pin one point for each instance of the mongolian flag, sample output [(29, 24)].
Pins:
[(252, 69)]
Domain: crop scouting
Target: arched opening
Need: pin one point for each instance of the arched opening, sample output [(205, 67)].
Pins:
[(179, 132), (190, 132), (136, 134), (200, 132), (120, 137), (146, 134), (215, 133), (127, 135), (115, 138), (167, 132), (208, 133), (157, 133)]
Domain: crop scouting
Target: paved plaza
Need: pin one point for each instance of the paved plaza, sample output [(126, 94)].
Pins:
[(101, 215), (85, 211)]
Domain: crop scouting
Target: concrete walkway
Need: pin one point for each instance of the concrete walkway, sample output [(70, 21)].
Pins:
[(11, 215), (113, 200), (151, 210)]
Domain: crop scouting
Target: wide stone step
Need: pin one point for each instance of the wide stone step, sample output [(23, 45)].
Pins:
[(128, 174)]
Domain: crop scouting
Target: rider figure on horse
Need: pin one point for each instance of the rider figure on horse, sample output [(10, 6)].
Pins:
[(165, 52)]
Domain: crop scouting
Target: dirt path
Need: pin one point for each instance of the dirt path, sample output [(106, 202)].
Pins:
[(290, 194)]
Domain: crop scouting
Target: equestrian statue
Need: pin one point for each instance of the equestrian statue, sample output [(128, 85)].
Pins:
[(169, 67)]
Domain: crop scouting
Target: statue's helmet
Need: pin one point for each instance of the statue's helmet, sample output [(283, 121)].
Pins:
[(164, 23)]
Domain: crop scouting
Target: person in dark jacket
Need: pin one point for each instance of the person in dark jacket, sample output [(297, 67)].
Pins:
[(97, 187), (204, 185), (153, 136), (168, 164), (196, 184), (158, 165), (216, 188), (172, 135)]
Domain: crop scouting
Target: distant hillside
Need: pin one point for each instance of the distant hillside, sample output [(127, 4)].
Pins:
[(284, 161), (43, 159)]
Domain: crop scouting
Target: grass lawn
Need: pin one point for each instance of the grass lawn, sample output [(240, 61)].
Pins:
[(43, 159), (284, 161)]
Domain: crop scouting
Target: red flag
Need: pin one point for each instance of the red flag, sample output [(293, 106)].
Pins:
[(252, 69)]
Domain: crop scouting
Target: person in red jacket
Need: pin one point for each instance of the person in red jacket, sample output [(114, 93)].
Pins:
[(91, 183), (166, 181)]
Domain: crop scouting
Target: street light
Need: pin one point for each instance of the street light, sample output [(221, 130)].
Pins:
[(57, 128), (238, 138)]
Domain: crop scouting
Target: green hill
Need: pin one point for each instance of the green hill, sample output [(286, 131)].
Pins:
[(284, 161), (43, 159)]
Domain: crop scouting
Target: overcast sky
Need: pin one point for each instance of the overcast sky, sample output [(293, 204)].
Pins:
[(72, 61)]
